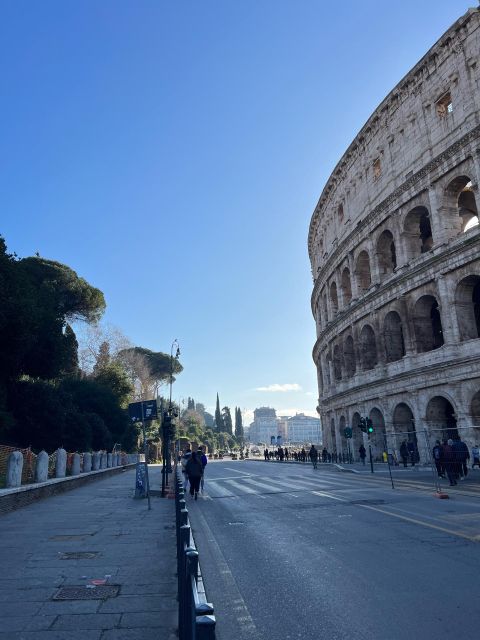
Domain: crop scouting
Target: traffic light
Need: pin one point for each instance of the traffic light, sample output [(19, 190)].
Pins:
[(363, 425), (369, 425), (167, 426)]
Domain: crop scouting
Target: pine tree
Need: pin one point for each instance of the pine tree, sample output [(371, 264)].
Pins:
[(238, 423), (218, 417), (227, 420)]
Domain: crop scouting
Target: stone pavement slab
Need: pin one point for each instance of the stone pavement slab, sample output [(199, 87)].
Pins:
[(95, 532)]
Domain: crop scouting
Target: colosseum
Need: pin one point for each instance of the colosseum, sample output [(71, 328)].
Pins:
[(394, 249)]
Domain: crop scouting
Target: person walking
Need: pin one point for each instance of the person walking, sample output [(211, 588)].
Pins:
[(461, 455), (404, 453), (363, 454), (204, 461), (450, 462), (266, 455), (194, 471), (183, 461), (475, 456), (313, 455), (437, 452), (412, 452)]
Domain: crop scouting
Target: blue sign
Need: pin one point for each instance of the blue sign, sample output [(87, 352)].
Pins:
[(146, 410)]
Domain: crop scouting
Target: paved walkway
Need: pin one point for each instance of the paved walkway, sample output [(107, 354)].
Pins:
[(122, 543)]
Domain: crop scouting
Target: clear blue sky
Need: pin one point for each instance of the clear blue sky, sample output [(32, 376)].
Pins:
[(172, 153)]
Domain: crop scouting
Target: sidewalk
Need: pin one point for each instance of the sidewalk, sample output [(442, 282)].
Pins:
[(96, 532)]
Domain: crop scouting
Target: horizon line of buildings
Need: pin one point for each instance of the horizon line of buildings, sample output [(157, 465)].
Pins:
[(299, 428)]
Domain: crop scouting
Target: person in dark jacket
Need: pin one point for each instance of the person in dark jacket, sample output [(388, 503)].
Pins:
[(313, 455), (438, 459), (404, 453), (363, 453), (194, 471), (462, 454), (450, 462)]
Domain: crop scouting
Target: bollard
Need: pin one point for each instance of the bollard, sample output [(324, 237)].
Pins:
[(103, 460), (205, 627), (76, 464), (61, 463), (191, 568), (14, 469), (87, 462), (41, 467), (96, 461)]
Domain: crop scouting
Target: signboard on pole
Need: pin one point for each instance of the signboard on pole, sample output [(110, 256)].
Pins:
[(141, 480), (146, 410), (347, 432), (272, 440)]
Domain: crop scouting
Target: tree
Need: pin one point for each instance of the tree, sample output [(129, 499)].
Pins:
[(148, 369), (218, 417), (238, 424), (227, 420), (190, 404)]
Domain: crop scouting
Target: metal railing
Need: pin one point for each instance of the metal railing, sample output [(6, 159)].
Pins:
[(195, 615)]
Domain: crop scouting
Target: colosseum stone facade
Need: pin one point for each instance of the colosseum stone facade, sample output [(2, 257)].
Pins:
[(394, 246)]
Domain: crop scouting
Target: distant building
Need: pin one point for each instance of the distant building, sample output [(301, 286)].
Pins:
[(282, 426), (302, 428), (264, 425)]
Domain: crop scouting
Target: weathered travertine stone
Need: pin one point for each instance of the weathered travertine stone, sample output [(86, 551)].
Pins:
[(14, 469), (394, 246), (96, 460), (109, 460), (41, 467), (61, 463), (87, 462), (76, 464)]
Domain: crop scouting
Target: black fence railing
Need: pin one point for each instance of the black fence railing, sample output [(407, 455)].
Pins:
[(195, 615)]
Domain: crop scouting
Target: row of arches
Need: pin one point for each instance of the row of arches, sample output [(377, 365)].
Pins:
[(440, 422), (390, 248), (418, 324)]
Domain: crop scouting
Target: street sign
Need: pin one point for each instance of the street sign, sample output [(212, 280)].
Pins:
[(146, 410), (347, 432), (141, 485), (272, 440)]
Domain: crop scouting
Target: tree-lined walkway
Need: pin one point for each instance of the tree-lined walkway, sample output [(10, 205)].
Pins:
[(94, 533)]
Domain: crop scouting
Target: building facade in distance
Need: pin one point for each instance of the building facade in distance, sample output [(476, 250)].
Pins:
[(394, 246), (264, 425), (303, 429)]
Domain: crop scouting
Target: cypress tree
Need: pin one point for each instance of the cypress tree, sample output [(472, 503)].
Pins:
[(218, 417)]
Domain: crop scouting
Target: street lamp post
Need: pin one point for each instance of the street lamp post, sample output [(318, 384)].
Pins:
[(167, 422)]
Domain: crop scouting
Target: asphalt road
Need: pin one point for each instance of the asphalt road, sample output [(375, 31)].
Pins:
[(288, 552)]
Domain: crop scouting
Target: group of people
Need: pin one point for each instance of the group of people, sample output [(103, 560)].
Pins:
[(283, 454), (193, 469), (451, 458)]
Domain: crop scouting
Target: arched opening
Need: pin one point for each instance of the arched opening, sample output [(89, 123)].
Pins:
[(328, 364), (427, 324), (325, 307), (337, 363), (333, 440), (362, 271), (404, 427), (393, 334), (349, 357), (440, 416), (475, 410), (418, 232), (386, 253), (334, 297), (467, 302), (357, 435), (461, 198), (378, 435), (343, 439), (346, 286), (368, 348)]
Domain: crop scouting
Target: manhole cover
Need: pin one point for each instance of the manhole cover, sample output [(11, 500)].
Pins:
[(78, 555), (367, 502), (101, 592)]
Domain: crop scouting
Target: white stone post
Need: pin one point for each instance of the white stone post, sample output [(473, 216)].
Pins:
[(103, 460), (87, 462), (61, 463), (76, 464), (96, 461), (109, 460), (14, 469), (41, 467)]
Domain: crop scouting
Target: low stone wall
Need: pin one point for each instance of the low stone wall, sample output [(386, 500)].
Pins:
[(15, 498)]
